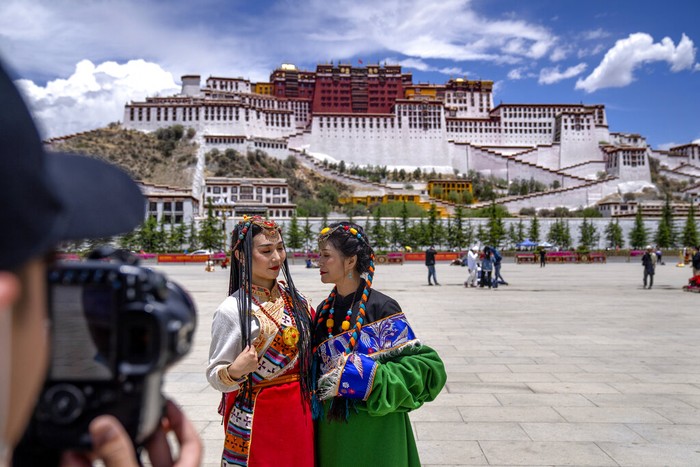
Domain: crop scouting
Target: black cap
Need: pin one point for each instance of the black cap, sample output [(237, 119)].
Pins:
[(47, 197)]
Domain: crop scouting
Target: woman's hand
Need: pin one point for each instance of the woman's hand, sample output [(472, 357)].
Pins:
[(245, 363)]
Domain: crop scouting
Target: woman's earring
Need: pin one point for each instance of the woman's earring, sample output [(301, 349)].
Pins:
[(350, 275)]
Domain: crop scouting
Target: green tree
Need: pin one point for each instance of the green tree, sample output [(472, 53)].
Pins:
[(129, 241), (533, 231), (665, 234), (496, 230), (396, 237), (176, 237), (468, 233), (295, 237), (458, 229), (638, 234), (690, 230), (378, 231), (613, 234), (588, 235), (432, 225), (193, 236), (147, 235), (482, 233), (210, 234), (521, 231), (308, 234)]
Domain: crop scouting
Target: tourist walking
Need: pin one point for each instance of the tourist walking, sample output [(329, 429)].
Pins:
[(543, 257), (649, 264), (696, 261), (372, 368), (260, 355), (497, 259), (472, 258), (430, 262), (486, 268)]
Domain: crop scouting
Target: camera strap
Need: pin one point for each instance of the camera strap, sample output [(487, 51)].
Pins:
[(5, 378)]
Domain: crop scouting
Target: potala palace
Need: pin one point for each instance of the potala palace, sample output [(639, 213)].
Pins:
[(376, 115)]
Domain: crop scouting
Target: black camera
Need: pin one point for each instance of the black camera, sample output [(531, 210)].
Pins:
[(115, 329)]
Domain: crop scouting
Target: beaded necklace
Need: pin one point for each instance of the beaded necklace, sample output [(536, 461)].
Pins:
[(327, 311), (290, 335), (345, 325)]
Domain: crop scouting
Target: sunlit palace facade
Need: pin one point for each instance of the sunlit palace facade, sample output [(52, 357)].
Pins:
[(376, 114)]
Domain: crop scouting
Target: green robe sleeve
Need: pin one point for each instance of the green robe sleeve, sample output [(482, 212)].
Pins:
[(404, 382)]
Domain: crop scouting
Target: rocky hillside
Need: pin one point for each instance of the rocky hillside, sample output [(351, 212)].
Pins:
[(169, 157)]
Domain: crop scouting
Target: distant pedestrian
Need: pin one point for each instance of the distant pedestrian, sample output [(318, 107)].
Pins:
[(696, 261), (497, 258), (649, 263), (430, 262), (543, 257), (472, 258), (486, 268)]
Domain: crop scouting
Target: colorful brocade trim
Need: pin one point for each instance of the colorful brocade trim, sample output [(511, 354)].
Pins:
[(352, 377), (277, 360)]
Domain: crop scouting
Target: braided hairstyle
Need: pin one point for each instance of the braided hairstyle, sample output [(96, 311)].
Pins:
[(241, 278)]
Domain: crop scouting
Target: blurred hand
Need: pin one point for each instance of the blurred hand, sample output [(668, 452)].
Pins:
[(110, 442), (112, 445), (191, 449)]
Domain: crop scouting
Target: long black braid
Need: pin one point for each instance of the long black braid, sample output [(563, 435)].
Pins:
[(240, 278)]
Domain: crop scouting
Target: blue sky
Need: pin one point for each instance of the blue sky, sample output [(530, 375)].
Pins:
[(79, 62)]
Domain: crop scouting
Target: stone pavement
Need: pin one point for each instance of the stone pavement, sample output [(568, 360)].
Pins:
[(568, 365)]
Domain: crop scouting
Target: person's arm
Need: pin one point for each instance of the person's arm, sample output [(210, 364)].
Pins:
[(228, 360), (407, 381)]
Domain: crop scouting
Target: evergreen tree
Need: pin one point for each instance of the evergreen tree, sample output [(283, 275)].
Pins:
[(496, 231), (404, 220), (295, 235), (396, 236), (533, 232), (308, 234), (588, 235), (482, 233), (147, 235), (211, 236), (129, 241), (513, 234), (458, 230), (664, 234), (613, 234), (638, 234), (566, 240), (176, 237), (469, 233), (690, 230), (193, 237), (554, 236), (378, 231), (521, 231), (432, 225)]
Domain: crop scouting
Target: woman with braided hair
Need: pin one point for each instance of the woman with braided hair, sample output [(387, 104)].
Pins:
[(261, 353), (371, 369)]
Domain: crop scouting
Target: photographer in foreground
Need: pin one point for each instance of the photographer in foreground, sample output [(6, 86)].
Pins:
[(46, 199)]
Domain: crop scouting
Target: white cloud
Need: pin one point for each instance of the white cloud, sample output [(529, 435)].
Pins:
[(617, 67), (420, 65), (516, 73), (696, 67), (193, 37), (595, 34), (553, 75), (559, 53), (93, 95)]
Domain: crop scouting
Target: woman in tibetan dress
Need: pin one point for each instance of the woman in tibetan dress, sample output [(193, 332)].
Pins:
[(371, 368), (260, 355)]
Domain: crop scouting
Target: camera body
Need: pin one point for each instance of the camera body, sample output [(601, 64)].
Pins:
[(116, 327)]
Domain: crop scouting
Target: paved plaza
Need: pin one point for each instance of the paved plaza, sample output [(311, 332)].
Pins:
[(568, 365)]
